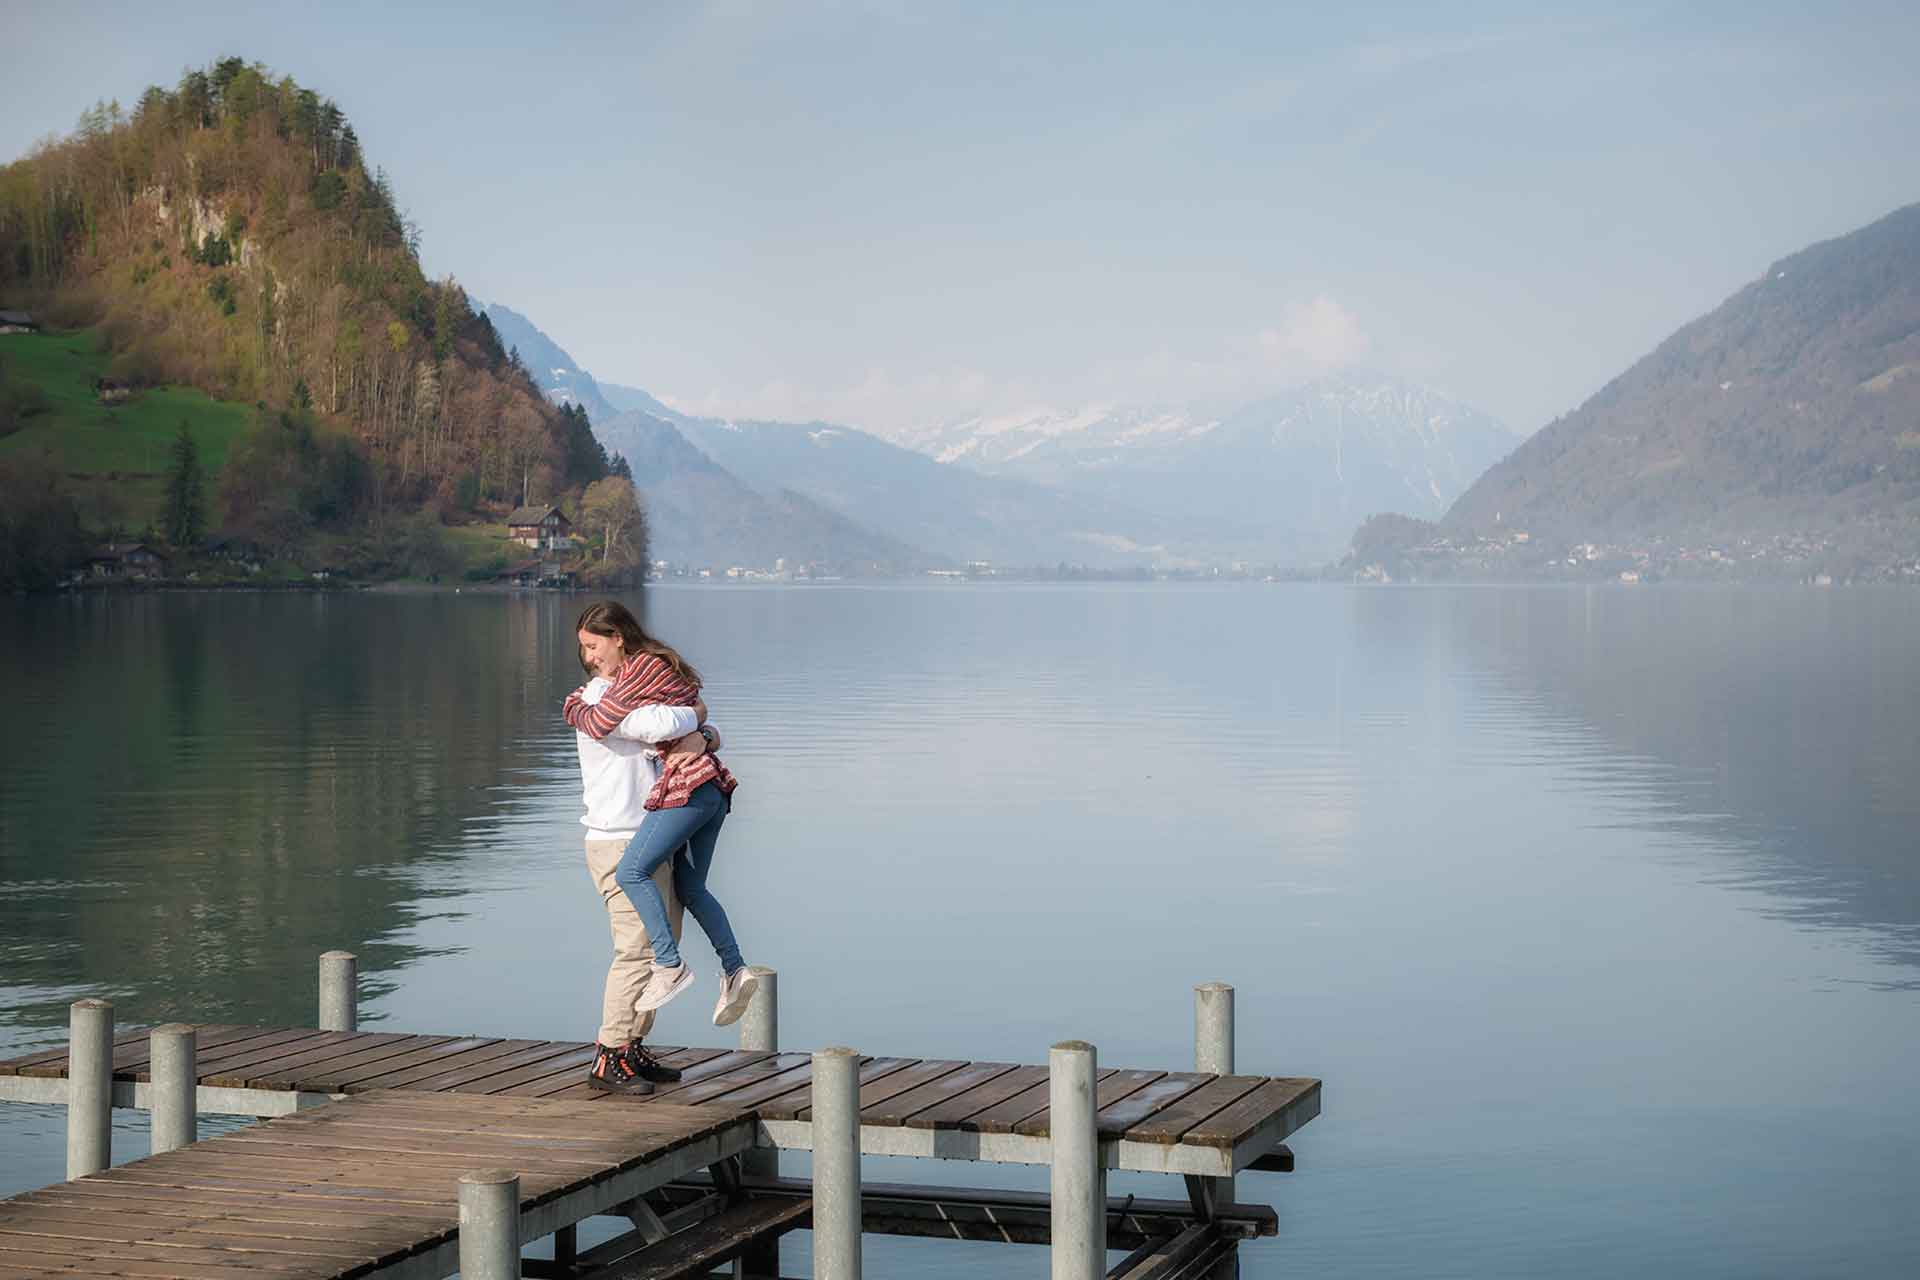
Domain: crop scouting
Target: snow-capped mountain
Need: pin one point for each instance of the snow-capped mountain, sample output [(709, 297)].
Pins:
[(1288, 477), (1040, 436)]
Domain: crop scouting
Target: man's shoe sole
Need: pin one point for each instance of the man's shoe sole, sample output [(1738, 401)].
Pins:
[(639, 1088)]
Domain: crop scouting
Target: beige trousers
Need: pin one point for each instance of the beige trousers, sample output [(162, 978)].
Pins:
[(632, 952)]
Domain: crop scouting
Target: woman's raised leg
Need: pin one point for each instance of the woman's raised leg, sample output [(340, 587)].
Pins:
[(690, 877), (662, 832)]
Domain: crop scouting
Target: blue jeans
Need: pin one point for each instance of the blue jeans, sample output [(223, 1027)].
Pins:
[(697, 826)]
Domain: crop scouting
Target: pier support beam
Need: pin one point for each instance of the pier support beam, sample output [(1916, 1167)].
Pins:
[(760, 1024), (1079, 1210), (760, 1033), (339, 991), (1213, 1050), (174, 1051), (836, 1164), (490, 1225), (89, 1087)]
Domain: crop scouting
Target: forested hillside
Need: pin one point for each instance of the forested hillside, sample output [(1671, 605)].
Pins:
[(231, 234), (1794, 407)]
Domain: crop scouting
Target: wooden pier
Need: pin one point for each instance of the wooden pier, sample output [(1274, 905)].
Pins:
[(358, 1169)]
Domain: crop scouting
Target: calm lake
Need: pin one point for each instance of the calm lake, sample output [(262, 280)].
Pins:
[(1598, 910)]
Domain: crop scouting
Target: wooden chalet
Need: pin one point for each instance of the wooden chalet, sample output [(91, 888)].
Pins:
[(541, 528)]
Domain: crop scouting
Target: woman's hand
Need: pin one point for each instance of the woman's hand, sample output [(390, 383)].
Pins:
[(691, 747)]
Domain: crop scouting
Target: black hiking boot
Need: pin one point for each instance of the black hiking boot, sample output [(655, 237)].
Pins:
[(642, 1063), (611, 1074)]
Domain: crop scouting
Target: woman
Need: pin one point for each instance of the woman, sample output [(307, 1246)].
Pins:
[(687, 806), (617, 773)]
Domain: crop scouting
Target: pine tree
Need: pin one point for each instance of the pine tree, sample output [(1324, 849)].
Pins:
[(186, 493)]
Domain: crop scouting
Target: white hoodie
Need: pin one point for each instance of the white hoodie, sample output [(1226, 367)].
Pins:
[(620, 769)]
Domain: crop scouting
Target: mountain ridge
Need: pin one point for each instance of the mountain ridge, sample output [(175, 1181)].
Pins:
[(1794, 403)]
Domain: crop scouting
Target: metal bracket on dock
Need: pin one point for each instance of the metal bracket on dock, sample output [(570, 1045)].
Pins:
[(1203, 1194)]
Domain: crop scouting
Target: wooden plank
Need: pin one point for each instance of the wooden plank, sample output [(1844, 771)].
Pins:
[(216, 1067), (320, 1071), (400, 1136), (664, 1125), (789, 1105), (721, 1238), (1110, 1089), (520, 1054), (719, 1088), (355, 1079), (247, 1217), (797, 1078), (1168, 1259), (53, 1062), (576, 1060), (1229, 1125), (162, 1198), (444, 1060), (1166, 1126), (898, 1108), (1115, 1120), (1002, 1116), (213, 1182), (954, 1112), (880, 1087), (132, 1228), (255, 1071), (343, 1149), (132, 1060), (184, 1262), (718, 1065)]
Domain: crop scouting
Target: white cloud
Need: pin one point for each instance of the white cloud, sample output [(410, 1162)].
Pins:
[(1320, 334)]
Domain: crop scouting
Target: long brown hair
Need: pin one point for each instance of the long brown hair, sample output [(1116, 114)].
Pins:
[(611, 618)]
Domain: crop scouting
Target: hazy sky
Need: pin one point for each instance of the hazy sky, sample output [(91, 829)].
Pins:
[(888, 213)]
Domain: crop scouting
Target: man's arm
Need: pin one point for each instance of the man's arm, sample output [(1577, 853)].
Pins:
[(655, 723)]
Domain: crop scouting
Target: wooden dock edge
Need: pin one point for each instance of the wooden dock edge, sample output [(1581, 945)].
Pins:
[(778, 1135)]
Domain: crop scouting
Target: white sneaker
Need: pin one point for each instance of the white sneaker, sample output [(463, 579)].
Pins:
[(662, 986), (735, 991)]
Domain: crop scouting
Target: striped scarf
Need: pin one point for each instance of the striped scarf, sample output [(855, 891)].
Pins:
[(645, 680)]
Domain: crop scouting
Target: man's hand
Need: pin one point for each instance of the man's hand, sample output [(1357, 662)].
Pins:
[(700, 709), (691, 747)]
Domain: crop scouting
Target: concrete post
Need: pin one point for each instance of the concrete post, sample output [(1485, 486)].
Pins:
[(1079, 1216), (836, 1164), (89, 1087), (760, 1024), (1213, 1049), (760, 1033), (490, 1225), (339, 991), (175, 1050)]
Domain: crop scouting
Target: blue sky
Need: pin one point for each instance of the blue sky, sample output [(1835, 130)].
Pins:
[(893, 213)]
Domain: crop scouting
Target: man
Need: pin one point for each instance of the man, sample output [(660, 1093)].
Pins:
[(617, 772)]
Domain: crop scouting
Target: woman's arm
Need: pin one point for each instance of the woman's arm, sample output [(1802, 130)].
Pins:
[(639, 682)]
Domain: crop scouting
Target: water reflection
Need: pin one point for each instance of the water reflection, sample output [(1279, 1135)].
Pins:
[(1779, 725), (202, 792)]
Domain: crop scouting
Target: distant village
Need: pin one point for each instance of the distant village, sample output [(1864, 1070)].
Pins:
[(1865, 553)]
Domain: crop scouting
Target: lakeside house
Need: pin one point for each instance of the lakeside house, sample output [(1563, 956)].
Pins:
[(134, 560), (543, 528), (18, 322)]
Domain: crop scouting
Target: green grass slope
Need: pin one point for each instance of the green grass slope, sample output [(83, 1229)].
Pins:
[(116, 455)]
